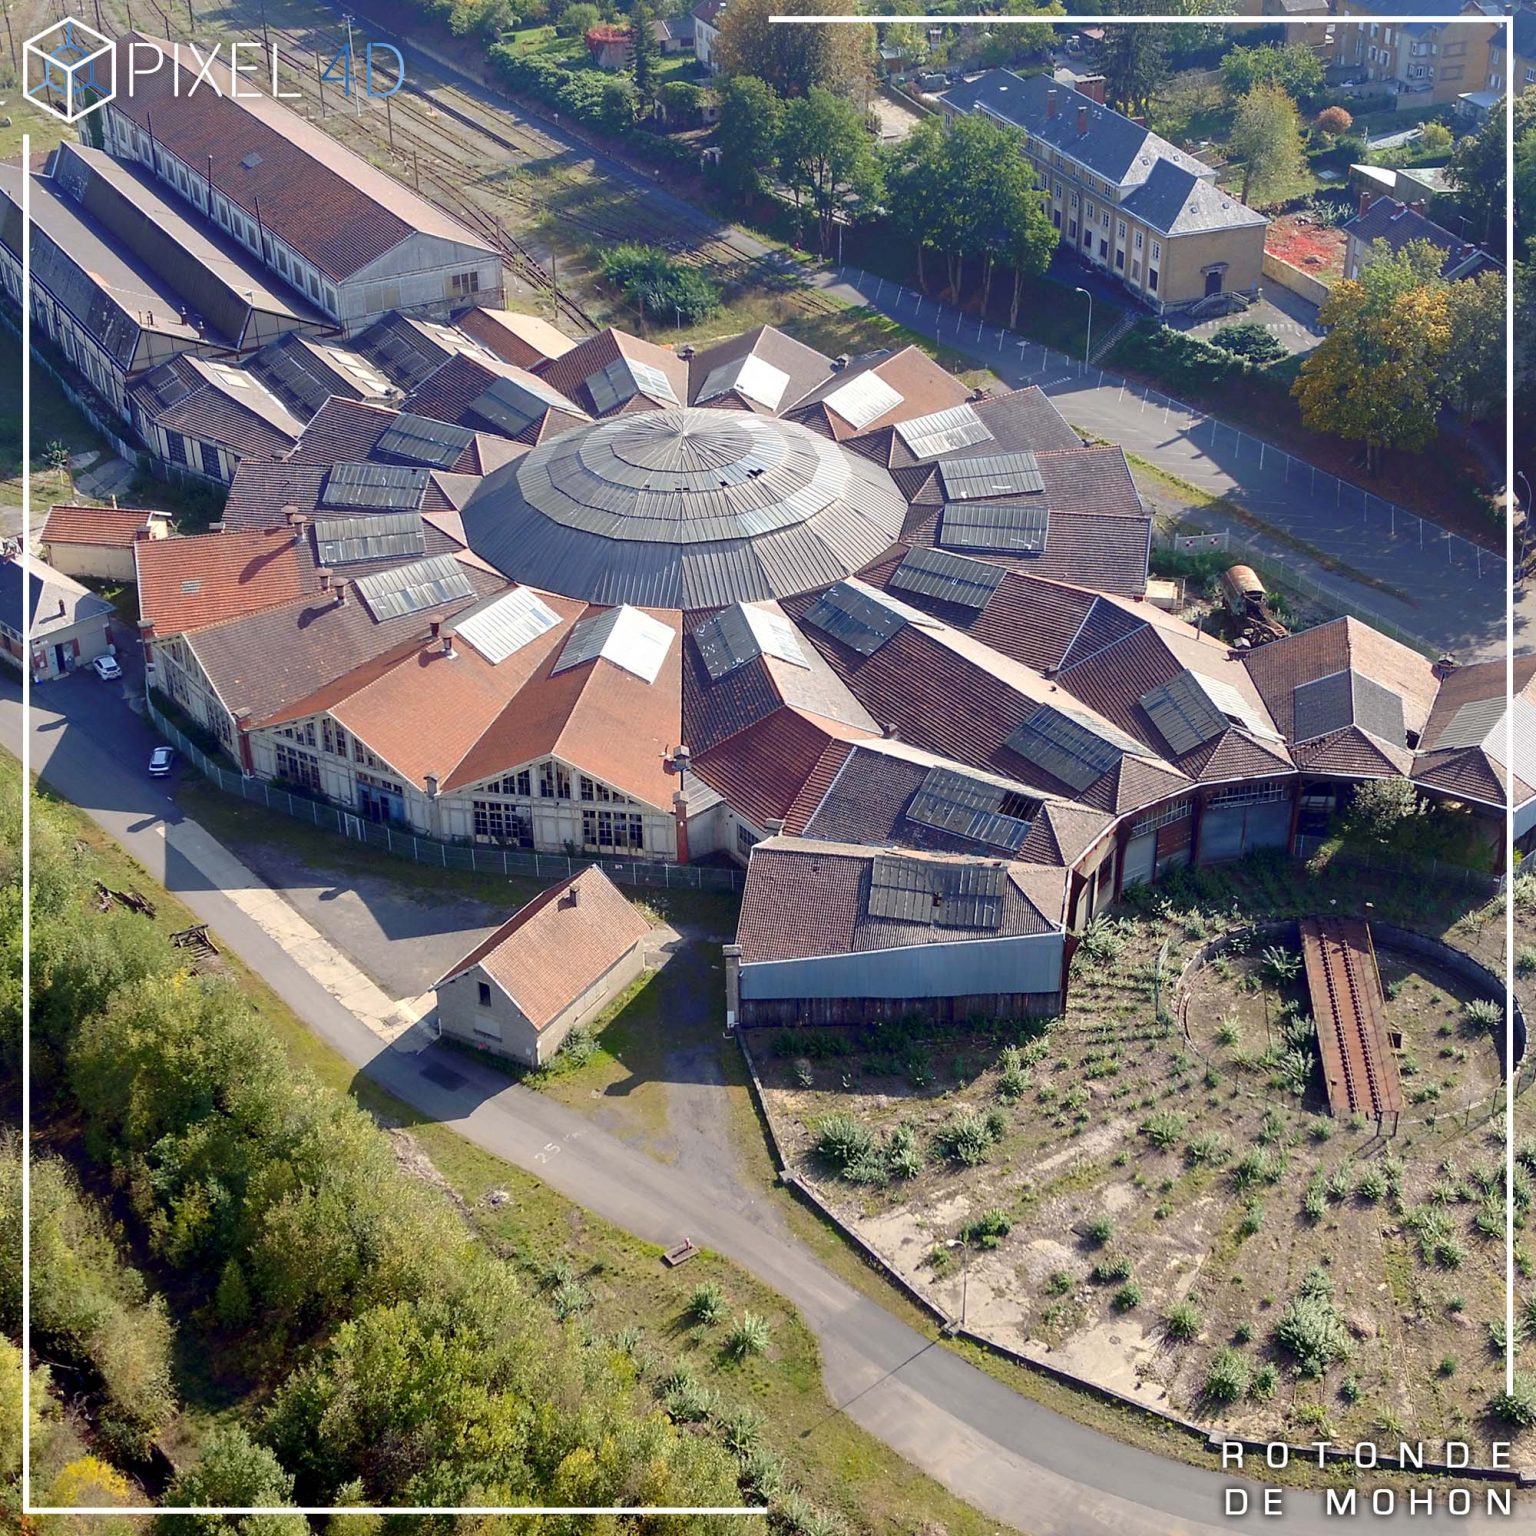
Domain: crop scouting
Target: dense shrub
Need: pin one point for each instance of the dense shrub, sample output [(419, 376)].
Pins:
[(1176, 359), (659, 285)]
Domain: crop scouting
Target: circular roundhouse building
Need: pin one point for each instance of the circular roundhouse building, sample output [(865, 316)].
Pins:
[(691, 508)]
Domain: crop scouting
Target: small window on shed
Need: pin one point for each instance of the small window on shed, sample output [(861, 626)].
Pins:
[(485, 994)]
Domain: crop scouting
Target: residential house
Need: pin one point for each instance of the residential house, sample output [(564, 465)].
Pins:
[(707, 19), (1394, 225), (98, 541), (351, 239), (675, 34), (608, 46), (69, 625), (1512, 61), (1422, 63), (1126, 201), (554, 964)]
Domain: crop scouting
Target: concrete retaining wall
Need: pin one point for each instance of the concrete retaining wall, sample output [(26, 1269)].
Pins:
[(1300, 283)]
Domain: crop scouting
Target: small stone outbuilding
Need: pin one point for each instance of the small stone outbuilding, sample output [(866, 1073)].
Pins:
[(554, 963)]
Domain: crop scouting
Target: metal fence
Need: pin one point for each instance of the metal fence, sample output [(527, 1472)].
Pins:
[(405, 844)]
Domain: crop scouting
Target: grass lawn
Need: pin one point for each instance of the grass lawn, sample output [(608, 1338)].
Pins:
[(546, 1236), (54, 419)]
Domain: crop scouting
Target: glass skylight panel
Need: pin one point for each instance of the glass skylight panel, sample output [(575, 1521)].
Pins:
[(1379, 710), (383, 487), (943, 432), (1472, 725), (424, 440), (507, 623), (514, 404), (375, 536), (862, 618), (1328, 704), (1070, 747), (750, 376), (999, 474), (413, 588), (927, 891), (626, 636), (623, 379), (862, 399), (741, 633), (1001, 527), (1185, 715), (652, 381), (972, 808), (949, 578)]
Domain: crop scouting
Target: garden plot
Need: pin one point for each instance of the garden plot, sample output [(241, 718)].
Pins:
[(1177, 1216)]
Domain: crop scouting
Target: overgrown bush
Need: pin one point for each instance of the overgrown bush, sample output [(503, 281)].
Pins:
[(659, 285), (1228, 1377), (1311, 1329)]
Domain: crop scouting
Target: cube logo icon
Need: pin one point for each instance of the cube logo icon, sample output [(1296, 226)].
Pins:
[(71, 70)]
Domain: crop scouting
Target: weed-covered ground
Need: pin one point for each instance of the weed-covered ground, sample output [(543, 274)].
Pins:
[(1176, 1215)]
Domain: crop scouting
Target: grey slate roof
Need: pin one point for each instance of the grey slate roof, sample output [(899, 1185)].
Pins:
[(1113, 146), (1178, 202), (53, 600), (1398, 225)]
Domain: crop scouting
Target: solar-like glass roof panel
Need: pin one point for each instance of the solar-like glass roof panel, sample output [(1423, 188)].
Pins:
[(424, 440), (513, 404), (862, 399), (972, 808), (383, 487), (373, 536), (623, 379), (1471, 725), (1013, 528), (1185, 715), (740, 633), (926, 891), (861, 618), (507, 623), (943, 432), (1379, 711), (950, 578), (626, 636), (750, 376), (1070, 747), (996, 474), (412, 588)]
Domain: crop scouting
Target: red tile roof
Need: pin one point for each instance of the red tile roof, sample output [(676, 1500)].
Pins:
[(212, 577), (109, 527), (564, 941)]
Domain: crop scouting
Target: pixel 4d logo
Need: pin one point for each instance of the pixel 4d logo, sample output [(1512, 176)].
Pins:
[(71, 70)]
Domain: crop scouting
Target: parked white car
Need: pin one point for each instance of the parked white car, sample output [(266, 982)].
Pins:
[(106, 668)]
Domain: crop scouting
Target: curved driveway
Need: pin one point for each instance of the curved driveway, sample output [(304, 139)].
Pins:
[(1003, 1453)]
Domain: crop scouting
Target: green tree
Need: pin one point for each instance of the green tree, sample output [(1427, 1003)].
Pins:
[(1474, 360), (231, 1469), (577, 19), (751, 121), (1477, 171), (1378, 376), (1295, 68), (645, 52), (827, 156), (617, 103), (792, 59), (681, 100), (1134, 61), (1266, 137)]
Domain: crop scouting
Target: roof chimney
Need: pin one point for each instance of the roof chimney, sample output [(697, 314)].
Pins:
[(839, 362), (1094, 87), (574, 893), (216, 527), (1417, 206), (341, 594), (773, 828), (325, 575), (1082, 120), (888, 729), (431, 781), (1366, 199), (1050, 102), (63, 609)]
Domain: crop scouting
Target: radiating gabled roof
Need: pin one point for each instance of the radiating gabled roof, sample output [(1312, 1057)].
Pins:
[(304, 374), (609, 359), (764, 368), (876, 390)]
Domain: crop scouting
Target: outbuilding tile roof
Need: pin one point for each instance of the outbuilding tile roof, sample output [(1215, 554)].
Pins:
[(187, 583), (109, 527), (564, 941)]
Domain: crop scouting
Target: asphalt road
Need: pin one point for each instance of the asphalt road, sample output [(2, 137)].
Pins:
[(1010, 1457)]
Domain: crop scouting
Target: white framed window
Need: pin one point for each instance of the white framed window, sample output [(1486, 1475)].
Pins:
[(1139, 238), (1120, 229), (1157, 251)]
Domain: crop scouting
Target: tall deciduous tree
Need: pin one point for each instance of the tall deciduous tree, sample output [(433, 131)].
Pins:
[(751, 120), (1476, 170), (792, 59), (1378, 376), (1266, 137), (1295, 68), (827, 156), (1474, 363)]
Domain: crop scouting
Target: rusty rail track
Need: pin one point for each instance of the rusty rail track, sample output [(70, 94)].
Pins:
[(1359, 1066)]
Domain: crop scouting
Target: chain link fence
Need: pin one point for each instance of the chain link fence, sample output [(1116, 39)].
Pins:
[(404, 844)]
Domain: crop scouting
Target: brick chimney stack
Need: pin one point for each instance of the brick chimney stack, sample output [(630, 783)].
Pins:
[(1366, 199), (1050, 102), (1082, 120)]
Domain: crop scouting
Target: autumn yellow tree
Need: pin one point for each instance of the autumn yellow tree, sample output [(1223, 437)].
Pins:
[(1379, 375)]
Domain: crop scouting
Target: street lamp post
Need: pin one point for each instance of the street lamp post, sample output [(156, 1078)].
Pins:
[(1088, 339)]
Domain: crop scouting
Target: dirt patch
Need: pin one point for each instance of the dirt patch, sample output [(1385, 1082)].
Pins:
[(1125, 1202), (1316, 249)]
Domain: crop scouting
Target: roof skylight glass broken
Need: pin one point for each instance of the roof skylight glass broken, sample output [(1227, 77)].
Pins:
[(927, 891), (424, 440), (623, 379), (972, 808), (861, 618), (383, 487), (741, 633), (948, 578), (1002, 527), (1074, 749), (513, 405), (414, 588)]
